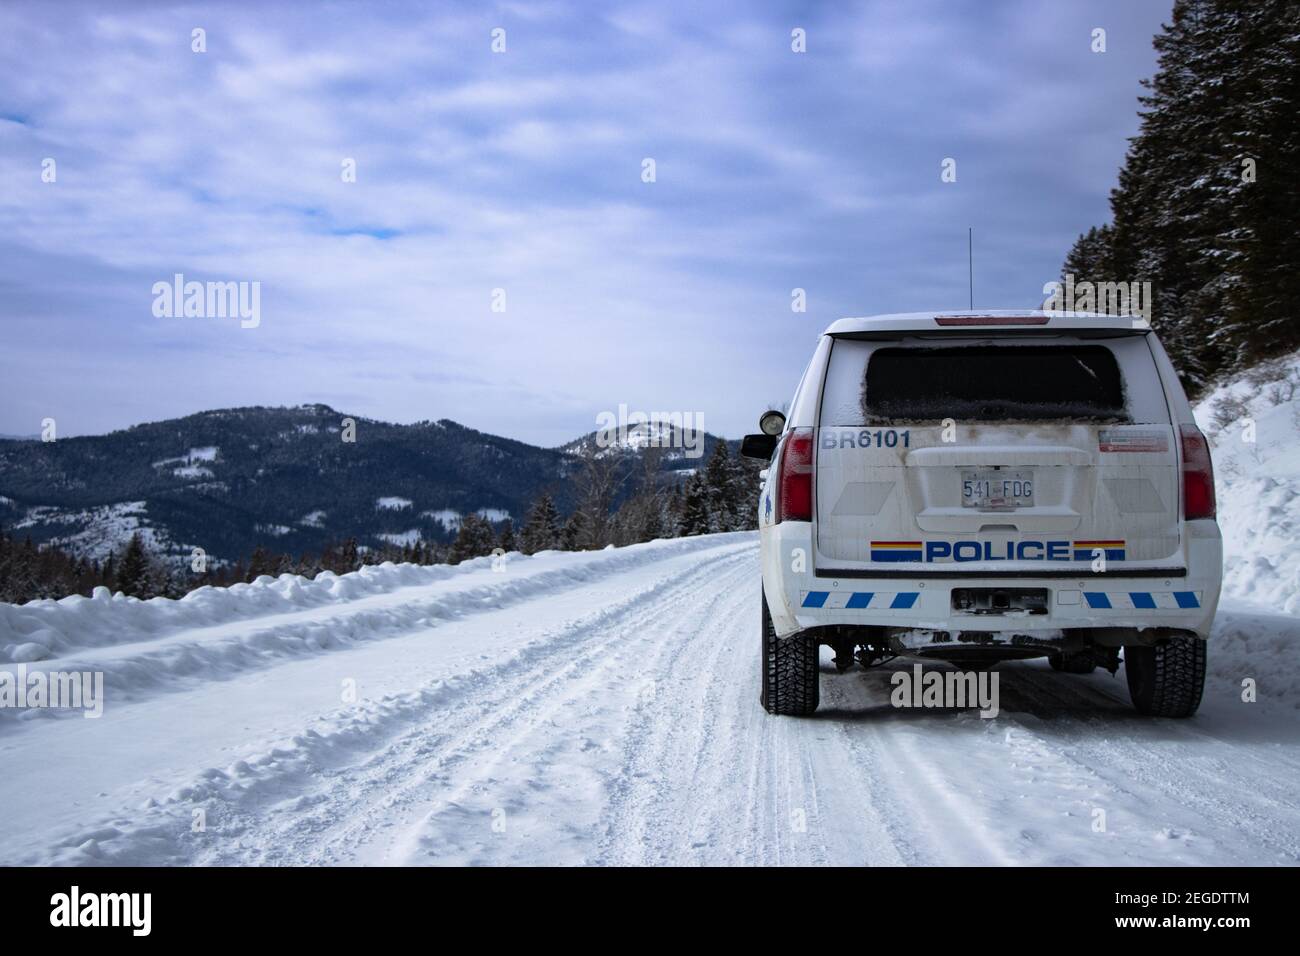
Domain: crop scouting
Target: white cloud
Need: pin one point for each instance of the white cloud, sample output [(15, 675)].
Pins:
[(519, 171)]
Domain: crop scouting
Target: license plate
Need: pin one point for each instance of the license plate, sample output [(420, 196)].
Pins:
[(996, 489)]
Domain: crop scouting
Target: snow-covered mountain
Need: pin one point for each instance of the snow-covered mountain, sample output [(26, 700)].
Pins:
[(286, 478), (679, 448)]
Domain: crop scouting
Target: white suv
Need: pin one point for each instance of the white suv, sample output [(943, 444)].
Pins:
[(985, 487)]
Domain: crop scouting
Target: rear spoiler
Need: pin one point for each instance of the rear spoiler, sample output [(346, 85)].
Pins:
[(985, 332)]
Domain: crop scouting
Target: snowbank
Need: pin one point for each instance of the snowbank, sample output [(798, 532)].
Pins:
[(45, 630), (1261, 646), (1253, 424)]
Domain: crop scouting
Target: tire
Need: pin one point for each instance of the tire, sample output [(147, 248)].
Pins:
[(790, 671), (1166, 680), (1082, 663)]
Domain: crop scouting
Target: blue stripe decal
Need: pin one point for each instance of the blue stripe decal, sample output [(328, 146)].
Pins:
[(905, 599), (896, 555), (1143, 599), (816, 598), (1097, 599), (1186, 599), (859, 600)]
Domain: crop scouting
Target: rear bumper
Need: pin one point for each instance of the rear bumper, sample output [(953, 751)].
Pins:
[(799, 598)]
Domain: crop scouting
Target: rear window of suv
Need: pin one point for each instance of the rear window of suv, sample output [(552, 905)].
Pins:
[(871, 382)]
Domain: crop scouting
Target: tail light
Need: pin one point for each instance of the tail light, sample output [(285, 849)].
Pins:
[(1198, 475), (992, 319), (794, 493)]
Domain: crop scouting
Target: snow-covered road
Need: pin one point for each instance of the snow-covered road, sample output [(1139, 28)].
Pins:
[(603, 708)]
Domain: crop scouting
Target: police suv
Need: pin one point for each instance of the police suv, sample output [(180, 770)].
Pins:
[(976, 488)]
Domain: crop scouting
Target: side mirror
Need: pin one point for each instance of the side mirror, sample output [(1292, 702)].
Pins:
[(771, 423), (758, 446)]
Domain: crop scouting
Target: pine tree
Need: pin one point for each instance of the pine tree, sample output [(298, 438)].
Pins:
[(745, 488), (572, 533), (1209, 195), (133, 573), (349, 557), (13, 586), (506, 538), (673, 510), (652, 519), (262, 562), (541, 531), (474, 539), (695, 518), (720, 490), (1089, 259), (29, 572)]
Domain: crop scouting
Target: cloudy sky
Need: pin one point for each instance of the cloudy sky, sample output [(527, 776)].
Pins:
[(522, 171)]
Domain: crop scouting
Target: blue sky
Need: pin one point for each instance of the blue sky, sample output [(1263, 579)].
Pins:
[(521, 171)]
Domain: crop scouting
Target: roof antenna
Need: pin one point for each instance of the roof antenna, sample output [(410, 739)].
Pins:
[(970, 264)]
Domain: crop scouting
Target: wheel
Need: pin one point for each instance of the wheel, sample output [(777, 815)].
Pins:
[(1166, 680), (1081, 663), (790, 668)]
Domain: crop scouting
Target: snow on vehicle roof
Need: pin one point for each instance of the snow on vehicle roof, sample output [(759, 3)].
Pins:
[(984, 318)]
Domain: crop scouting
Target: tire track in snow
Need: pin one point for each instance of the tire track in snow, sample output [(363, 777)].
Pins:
[(916, 802), (752, 788), (585, 746), (1176, 773), (420, 780), (670, 733)]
